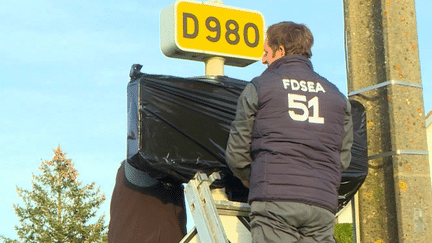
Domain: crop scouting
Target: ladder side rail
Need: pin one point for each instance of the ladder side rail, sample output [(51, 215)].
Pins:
[(207, 222)]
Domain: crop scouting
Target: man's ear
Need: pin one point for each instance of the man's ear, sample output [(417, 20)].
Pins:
[(282, 50)]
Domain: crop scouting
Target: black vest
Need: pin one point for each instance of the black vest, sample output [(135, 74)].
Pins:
[(297, 135)]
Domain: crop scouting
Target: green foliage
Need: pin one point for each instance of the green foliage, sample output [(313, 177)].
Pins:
[(59, 208), (344, 233)]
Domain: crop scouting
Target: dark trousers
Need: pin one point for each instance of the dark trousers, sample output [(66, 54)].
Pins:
[(146, 214), (283, 222)]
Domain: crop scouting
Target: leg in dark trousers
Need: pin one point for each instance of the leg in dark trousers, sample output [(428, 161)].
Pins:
[(154, 214)]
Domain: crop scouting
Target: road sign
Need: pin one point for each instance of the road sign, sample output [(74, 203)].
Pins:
[(200, 30)]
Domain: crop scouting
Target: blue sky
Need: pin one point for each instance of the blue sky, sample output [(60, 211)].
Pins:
[(64, 70)]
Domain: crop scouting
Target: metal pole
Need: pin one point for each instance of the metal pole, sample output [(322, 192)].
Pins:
[(381, 42), (214, 66)]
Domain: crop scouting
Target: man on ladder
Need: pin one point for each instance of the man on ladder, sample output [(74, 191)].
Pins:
[(290, 141)]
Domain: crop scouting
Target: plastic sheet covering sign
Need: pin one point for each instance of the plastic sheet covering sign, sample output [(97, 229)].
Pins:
[(179, 126), (199, 30)]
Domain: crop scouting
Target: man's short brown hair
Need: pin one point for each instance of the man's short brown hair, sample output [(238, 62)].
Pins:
[(297, 39)]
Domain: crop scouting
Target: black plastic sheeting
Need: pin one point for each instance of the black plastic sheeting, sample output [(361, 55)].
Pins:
[(179, 126)]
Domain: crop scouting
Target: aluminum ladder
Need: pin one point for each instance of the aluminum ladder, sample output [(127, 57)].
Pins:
[(217, 220)]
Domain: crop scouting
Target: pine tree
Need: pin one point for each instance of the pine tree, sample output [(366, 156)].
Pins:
[(59, 208)]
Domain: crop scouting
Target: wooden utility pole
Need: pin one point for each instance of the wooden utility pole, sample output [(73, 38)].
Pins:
[(384, 74)]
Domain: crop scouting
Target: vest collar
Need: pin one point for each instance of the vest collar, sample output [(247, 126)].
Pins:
[(290, 60)]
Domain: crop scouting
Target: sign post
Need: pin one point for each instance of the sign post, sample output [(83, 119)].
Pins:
[(214, 66), (212, 33)]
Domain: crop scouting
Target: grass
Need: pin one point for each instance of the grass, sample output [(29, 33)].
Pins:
[(344, 233)]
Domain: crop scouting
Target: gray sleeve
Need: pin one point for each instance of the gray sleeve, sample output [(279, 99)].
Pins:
[(347, 138), (238, 147)]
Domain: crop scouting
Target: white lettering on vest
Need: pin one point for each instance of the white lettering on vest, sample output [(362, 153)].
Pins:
[(305, 86), (286, 83), (319, 88), (295, 84), (311, 86)]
